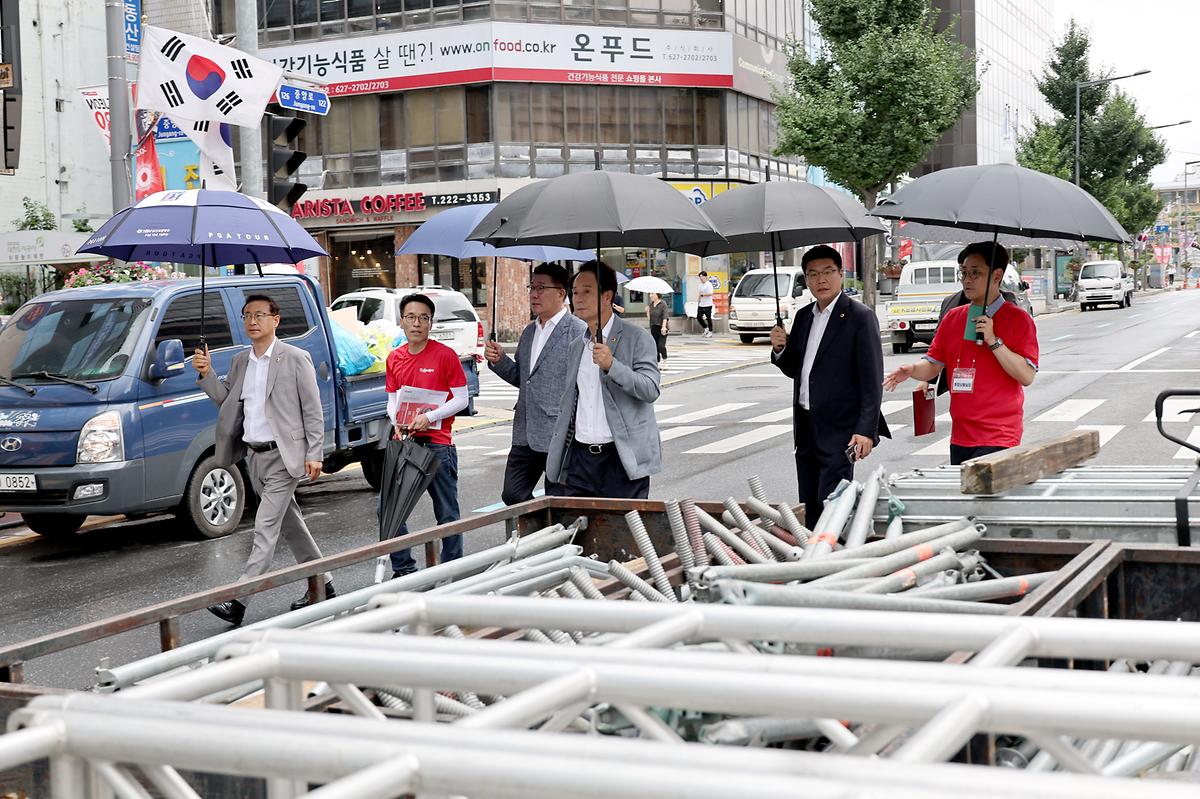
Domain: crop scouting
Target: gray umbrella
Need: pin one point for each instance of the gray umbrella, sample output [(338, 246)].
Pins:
[(1003, 198), (590, 210), (781, 216)]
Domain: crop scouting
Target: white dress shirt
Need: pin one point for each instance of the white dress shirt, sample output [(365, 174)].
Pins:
[(541, 334), (706, 294), (591, 423), (255, 428), (819, 323)]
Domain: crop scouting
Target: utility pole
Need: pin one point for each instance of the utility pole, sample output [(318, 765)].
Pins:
[(118, 104), (1083, 84), (250, 139)]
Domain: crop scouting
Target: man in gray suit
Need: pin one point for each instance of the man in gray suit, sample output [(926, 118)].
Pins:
[(540, 373), (606, 440), (270, 405)]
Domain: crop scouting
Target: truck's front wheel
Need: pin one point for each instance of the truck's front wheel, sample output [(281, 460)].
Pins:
[(214, 500), (372, 467), (54, 525)]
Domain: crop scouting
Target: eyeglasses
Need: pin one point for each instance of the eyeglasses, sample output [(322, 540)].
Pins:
[(257, 316), (539, 288), (971, 274), (824, 274), (423, 319)]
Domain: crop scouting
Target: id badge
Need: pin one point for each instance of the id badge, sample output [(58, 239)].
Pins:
[(963, 381)]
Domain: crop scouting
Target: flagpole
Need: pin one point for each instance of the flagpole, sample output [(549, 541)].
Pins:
[(250, 138), (118, 101)]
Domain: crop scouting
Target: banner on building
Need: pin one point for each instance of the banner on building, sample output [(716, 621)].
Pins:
[(508, 51)]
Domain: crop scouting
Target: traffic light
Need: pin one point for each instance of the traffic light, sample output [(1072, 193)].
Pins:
[(283, 161)]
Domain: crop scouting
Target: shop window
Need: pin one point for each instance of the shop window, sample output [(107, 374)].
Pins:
[(391, 121), (647, 116), (580, 114), (278, 15), (293, 319), (335, 129), (333, 9), (479, 115), (362, 259), (710, 128), (512, 112), (304, 12), (182, 321), (451, 116), (419, 114), (547, 109), (612, 107), (364, 122), (678, 116)]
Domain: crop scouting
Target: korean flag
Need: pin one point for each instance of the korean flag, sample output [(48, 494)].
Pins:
[(188, 78)]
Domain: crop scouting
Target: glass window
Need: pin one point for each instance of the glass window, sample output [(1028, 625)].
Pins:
[(512, 112), (612, 106), (304, 11), (364, 122), (181, 320), (332, 9), (709, 128), (647, 116), (678, 116), (358, 8), (547, 105), (391, 121), (451, 116), (479, 115), (580, 114), (293, 319), (419, 115), (362, 260), (278, 14), (335, 130), (79, 339)]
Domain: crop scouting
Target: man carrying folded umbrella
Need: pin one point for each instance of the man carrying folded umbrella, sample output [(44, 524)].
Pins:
[(987, 375), (606, 440), (539, 371), (424, 367)]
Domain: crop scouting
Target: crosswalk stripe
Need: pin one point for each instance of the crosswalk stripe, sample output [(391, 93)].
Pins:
[(940, 448), (660, 408), (1107, 431), (672, 433), (773, 416), (707, 413), (1192, 334), (496, 453), (943, 417), (1071, 410), (1174, 407), (895, 428), (743, 440), (891, 406), (1183, 453)]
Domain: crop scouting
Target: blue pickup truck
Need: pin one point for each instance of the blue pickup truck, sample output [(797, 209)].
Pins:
[(100, 412)]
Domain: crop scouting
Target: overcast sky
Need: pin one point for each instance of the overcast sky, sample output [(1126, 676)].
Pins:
[(1154, 35)]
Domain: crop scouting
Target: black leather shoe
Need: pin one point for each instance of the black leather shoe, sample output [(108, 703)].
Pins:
[(304, 601), (231, 611), (404, 572)]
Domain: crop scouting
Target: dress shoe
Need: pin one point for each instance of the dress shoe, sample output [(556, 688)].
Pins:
[(306, 600), (404, 572), (231, 611)]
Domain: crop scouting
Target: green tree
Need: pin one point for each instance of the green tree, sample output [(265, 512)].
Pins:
[(1117, 151), (82, 225), (38, 216), (872, 103)]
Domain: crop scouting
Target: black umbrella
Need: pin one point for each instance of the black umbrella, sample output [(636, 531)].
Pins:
[(408, 469), (1003, 198), (782, 216), (589, 210)]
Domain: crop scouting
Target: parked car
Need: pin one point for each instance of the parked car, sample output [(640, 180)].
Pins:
[(100, 412), (752, 306), (1103, 283), (455, 323)]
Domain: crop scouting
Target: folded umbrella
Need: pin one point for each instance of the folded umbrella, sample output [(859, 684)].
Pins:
[(408, 469)]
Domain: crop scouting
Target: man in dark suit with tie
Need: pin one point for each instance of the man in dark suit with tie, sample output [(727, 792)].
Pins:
[(835, 359), (539, 371)]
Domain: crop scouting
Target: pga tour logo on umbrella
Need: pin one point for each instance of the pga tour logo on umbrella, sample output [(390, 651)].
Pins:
[(216, 234)]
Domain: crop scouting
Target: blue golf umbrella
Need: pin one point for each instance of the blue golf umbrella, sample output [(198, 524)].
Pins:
[(446, 234), (205, 227)]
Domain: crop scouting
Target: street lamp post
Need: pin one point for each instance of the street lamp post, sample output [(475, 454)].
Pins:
[(1082, 84), (1170, 125), (1183, 228)]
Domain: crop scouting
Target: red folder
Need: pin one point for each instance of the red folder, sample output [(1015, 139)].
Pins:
[(924, 411)]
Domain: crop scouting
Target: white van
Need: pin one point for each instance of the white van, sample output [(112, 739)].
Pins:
[(1104, 282), (752, 306)]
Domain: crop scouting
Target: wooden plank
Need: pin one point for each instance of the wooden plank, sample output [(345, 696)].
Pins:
[(1000, 471)]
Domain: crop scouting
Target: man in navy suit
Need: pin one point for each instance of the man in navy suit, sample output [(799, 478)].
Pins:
[(834, 357)]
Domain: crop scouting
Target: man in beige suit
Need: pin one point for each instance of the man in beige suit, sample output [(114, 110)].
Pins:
[(271, 407)]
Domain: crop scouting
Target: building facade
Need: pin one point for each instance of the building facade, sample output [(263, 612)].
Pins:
[(1012, 43), (446, 102)]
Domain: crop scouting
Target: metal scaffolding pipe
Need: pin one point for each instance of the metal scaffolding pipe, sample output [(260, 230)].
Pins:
[(741, 593), (985, 590), (635, 583), (750, 532), (863, 520), (695, 534), (535, 703), (679, 535), (777, 572), (907, 577), (649, 555), (793, 525), (876, 549), (729, 539), (387, 780), (34, 743), (955, 539), (833, 519), (945, 733)]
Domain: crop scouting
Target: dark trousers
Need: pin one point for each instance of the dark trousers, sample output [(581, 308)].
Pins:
[(444, 493), (521, 474), (660, 341), (592, 473), (704, 317), (960, 454), (818, 471)]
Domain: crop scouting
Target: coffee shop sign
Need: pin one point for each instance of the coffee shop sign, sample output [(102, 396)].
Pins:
[(370, 204)]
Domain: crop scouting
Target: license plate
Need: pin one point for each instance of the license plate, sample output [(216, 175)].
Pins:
[(18, 482), (925, 326), (445, 335)]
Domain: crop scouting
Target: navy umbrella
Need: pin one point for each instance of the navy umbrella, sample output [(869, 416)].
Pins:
[(205, 227), (446, 234)]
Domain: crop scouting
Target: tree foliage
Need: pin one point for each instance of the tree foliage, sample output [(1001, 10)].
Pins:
[(37, 216), (1117, 151)]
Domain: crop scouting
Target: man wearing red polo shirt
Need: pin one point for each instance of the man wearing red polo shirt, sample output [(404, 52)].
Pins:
[(987, 379)]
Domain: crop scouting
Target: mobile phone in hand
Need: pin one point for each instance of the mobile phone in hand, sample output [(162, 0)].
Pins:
[(852, 453)]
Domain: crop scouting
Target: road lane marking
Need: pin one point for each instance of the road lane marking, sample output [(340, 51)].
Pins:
[(1060, 338), (1105, 324), (1071, 410), (1106, 431), (773, 416), (665, 407), (672, 433), (707, 413), (891, 406), (939, 448), (496, 453), (1173, 409), (1192, 334), (498, 505), (746, 439), (1183, 453), (1129, 367)]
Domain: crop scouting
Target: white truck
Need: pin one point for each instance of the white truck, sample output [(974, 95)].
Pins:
[(1104, 282), (752, 306)]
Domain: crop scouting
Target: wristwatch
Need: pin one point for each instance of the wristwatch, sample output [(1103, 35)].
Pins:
[(999, 343)]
